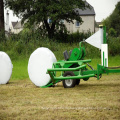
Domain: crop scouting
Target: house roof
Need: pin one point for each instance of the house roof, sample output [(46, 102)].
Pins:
[(87, 12), (14, 23), (18, 25)]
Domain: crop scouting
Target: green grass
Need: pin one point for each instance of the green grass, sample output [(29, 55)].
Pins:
[(112, 61), (20, 66), (20, 69), (91, 100), (94, 99)]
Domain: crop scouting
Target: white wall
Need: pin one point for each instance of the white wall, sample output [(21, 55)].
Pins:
[(16, 31), (88, 24)]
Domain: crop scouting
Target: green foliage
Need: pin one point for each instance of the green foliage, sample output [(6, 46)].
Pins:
[(23, 44), (113, 45), (112, 32), (113, 21), (73, 37), (92, 52), (38, 11), (2, 36)]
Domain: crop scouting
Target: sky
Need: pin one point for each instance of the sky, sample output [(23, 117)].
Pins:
[(103, 8)]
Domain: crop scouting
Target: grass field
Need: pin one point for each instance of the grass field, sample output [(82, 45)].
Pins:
[(91, 100), (20, 66)]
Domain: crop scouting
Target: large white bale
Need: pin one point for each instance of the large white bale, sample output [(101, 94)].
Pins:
[(5, 68), (40, 60)]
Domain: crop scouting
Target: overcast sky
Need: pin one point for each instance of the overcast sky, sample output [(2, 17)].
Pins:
[(103, 8)]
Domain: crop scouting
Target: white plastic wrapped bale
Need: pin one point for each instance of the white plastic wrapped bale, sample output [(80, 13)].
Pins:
[(40, 60), (5, 68)]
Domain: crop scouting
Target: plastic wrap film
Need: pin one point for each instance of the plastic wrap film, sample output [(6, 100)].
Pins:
[(40, 60), (5, 68)]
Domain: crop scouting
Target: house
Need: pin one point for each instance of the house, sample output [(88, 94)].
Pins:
[(16, 27), (88, 17), (12, 26), (6, 23)]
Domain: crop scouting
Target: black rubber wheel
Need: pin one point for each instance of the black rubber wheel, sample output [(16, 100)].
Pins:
[(69, 83), (77, 81)]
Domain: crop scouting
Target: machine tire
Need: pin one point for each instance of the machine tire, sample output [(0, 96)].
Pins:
[(77, 81), (70, 83)]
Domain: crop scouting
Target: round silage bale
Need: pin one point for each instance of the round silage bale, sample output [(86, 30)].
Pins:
[(5, 68), (40, 60)]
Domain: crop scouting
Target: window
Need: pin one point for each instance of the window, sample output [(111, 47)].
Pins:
[(62, 21), (77, 23), (49, 20)]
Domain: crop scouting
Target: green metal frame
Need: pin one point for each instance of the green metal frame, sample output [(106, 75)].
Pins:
[(80, 72), (76, 64), (104, 35)]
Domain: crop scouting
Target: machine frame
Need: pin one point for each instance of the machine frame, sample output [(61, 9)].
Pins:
[(75, 68)]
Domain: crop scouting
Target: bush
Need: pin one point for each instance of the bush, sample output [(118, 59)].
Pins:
[(112, 32), (71, 37), (2, 36), (23, 44), (113, 45)]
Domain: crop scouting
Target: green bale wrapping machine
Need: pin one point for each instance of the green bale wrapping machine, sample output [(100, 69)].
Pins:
[(74, 67)]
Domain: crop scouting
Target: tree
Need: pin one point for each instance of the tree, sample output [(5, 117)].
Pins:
[(112, 32), (39, 11), (1, 16), (113, 21)]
